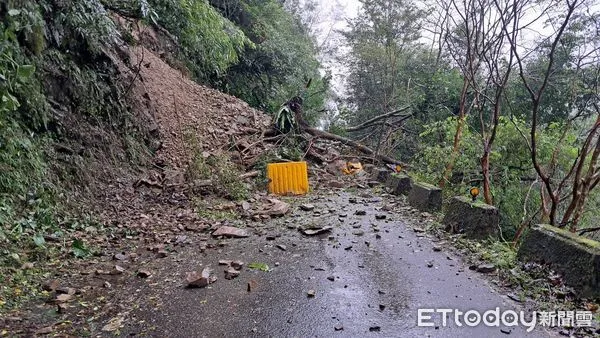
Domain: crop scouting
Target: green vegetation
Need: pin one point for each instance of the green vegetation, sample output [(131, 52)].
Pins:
[(523, 128)]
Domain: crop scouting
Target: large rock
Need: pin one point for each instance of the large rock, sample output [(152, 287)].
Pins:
[(476, 220), (380, 174), (425, 197), (399, 184), (575, 257)]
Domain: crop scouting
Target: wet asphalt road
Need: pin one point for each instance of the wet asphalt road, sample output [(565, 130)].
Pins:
[(380, 280)]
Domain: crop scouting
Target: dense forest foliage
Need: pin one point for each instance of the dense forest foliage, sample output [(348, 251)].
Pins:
[(499, 98)]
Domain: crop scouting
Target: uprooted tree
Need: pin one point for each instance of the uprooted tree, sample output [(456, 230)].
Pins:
[(290, 118)]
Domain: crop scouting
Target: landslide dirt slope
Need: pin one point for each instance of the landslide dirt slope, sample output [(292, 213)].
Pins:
[(187, 120)]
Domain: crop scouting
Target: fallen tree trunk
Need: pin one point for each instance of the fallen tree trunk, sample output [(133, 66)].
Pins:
[(364, 149)]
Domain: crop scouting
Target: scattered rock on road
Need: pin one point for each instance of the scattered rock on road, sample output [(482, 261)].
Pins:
[(316, 231), (252, 285), (228, 231), (197, 279), (486, 268), (142, 273), (273, 207), (307, 207), (231, 273), (238, 265)]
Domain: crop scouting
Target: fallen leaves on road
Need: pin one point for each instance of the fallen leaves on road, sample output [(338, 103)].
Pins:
[(259, 266)]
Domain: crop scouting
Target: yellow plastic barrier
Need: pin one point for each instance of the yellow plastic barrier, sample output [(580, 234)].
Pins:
[(288, 178)]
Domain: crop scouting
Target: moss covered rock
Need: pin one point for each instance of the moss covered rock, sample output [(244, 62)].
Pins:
[(399, 184), (380, 174), (476, 220), (575, 257), (425, 197)]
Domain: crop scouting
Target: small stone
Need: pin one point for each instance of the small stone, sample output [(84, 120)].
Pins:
[(505, 331), (316, 231), (225, 262), (107, 284), (343, 215), (231, 273), (380, 216), (237, 265), (360, 212), (416, 229), (162, 254), (352, 200), (374, 329), (349, 247), (66, 291), (117, 270), (282, 247), (197, 279), (430, 264), (381, 307), (338, 327), (120, 257), (181, 239), (307, 207), (311, 293), (228, 231), (437, 249), (486, 268), (271, 237), (252, 285), (61, 307), (378, 236), (143, 273), (27, 266), (331, 278), (358, 233), (51, 285), (63, 298)]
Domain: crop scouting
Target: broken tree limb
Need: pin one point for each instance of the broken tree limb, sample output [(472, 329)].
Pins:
[(364, 149), (370, 122)]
